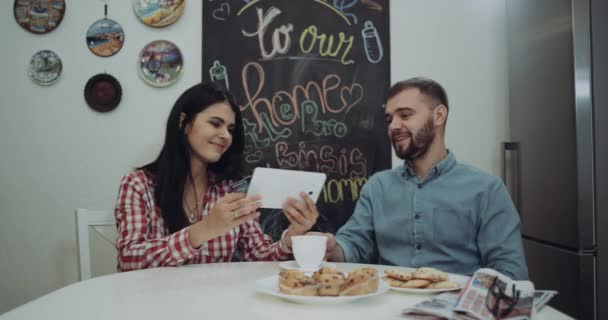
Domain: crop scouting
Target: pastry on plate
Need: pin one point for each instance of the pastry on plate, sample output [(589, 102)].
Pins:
[(361, 281)]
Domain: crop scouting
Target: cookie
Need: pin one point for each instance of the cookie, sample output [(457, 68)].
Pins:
[(393, 282), (443, 285), (366, 271), (416, 284), (399, 275), (430, 274)]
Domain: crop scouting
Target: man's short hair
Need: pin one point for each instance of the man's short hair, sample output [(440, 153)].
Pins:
[(428, 87)]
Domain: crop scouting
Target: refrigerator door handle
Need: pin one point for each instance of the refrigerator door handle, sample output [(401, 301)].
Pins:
[(511, 171), (581, 36)]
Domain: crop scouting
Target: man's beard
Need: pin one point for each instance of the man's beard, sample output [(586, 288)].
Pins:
[(419, 143)]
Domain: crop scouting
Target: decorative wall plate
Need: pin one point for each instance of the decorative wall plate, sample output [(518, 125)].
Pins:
[(39, 16), (105, 37), (102, 92), (160, 63), (45, 67), (158, 13)]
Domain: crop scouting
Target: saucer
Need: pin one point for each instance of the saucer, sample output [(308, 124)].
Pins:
[(292, 264)]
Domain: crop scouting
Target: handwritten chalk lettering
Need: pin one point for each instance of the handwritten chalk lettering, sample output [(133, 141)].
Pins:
[(253, 102), (288, 102), (330, 161), (326, 159), (288, 111), (342, 5), (311, 39), (357, 160), (334, 190), (268, 129), (264, 19), (252, 135), (285, 159), (310, 123)]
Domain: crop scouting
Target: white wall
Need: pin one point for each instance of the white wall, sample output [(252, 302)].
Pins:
[(462, 45), (58, 155)]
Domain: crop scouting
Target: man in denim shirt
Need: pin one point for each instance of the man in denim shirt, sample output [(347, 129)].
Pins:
[(432, 210)]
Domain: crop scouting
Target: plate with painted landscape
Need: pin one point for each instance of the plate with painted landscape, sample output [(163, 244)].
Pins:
[(105, 37), (45, 67), (39, 16), (158, 13), (160, 63)]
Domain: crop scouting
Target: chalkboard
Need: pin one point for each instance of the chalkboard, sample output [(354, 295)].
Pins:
[(310, 77)]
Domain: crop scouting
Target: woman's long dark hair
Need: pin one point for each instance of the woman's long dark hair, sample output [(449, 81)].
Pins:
[(172, 167)]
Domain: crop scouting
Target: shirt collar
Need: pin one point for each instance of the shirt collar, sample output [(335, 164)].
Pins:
[(440, 168)]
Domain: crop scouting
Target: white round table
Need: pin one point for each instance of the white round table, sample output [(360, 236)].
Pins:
[(208, 291)]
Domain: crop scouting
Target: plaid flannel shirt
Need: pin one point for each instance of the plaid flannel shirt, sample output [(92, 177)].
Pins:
[(145, 242)]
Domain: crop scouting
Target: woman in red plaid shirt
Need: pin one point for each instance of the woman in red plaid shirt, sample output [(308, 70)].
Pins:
[(179, 209)]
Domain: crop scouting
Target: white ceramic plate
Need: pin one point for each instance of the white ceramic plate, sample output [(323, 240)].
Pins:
[(460, 279), (45, 67), (270, 286), (292, 264)]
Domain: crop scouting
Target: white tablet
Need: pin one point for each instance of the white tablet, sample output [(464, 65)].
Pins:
[(275, 185)]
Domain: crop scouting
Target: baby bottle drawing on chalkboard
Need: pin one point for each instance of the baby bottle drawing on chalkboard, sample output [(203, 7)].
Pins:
[(217, 72), (371, 43)]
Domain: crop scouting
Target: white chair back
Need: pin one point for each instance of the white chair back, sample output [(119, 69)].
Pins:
[(86, 218)]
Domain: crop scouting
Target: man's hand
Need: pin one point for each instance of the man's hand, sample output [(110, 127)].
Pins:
[(333, 252), (302, 215)]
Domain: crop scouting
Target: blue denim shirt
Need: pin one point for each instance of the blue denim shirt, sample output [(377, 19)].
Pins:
[(459, 219)]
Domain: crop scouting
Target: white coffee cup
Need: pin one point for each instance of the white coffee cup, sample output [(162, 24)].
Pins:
[(309, 251)]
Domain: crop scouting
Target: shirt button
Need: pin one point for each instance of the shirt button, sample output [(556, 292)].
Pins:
[(417, 216), (419, 185), (418, 246)]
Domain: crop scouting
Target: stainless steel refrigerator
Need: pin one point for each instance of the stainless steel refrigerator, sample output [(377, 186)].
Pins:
[(555, 165)]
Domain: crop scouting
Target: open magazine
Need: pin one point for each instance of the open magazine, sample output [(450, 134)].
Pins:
[(488, 295)]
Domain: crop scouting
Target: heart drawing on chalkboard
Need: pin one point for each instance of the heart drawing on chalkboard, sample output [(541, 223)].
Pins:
[(222, 13), (350, 96), (254, 157)]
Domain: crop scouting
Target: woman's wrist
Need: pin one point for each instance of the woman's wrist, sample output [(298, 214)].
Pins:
[(286, 237), (200, 233)]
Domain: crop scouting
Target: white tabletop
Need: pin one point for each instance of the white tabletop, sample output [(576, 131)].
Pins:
[(208, 291)]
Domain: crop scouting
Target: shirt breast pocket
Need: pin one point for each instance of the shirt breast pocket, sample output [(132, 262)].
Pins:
[(453, 227)]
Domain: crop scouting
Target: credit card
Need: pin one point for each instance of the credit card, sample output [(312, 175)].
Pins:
[(240, 185)]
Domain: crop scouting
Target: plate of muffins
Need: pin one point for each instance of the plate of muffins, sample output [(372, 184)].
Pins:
[(326, 286)]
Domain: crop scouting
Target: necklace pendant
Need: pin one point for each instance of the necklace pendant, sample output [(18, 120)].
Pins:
[(192, 218)]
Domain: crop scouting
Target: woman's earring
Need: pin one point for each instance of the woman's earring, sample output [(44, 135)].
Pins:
[(182, 116)]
